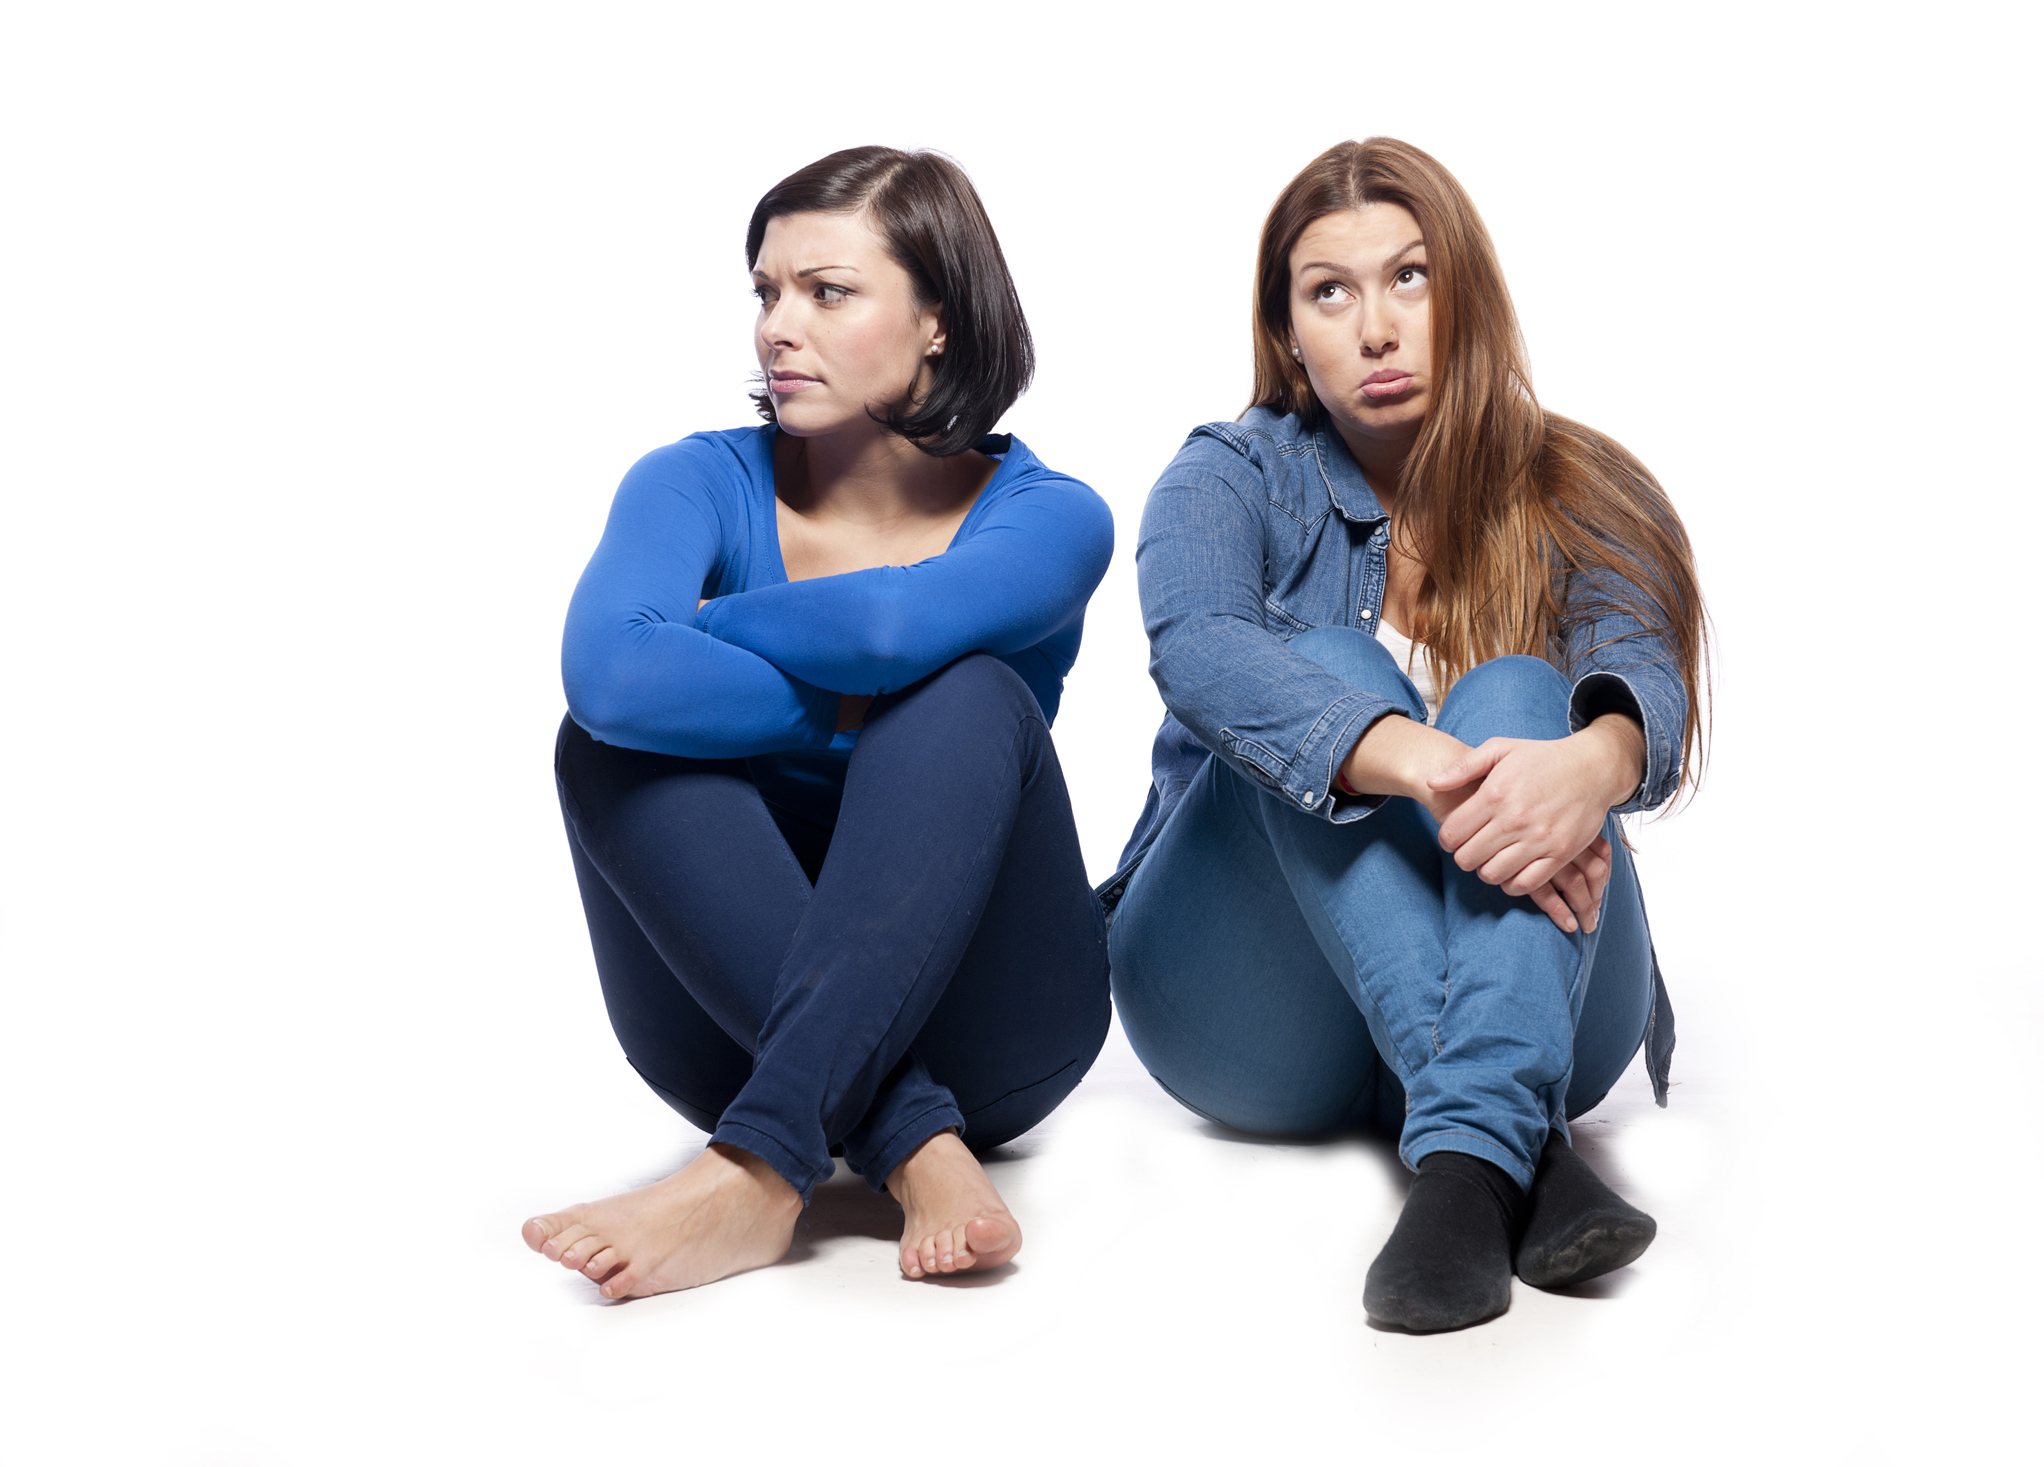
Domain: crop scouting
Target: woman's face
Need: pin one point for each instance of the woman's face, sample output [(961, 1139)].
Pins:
[(1360, 319), (839, 330)]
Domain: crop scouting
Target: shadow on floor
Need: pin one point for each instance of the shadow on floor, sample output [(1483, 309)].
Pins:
[(845, 1207), (1379, 1147)]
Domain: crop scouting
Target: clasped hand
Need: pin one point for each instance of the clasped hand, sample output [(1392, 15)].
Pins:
[(1526, 815)]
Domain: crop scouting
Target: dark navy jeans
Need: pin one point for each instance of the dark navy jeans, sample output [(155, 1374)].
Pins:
[(1287, 975), (936, 960)]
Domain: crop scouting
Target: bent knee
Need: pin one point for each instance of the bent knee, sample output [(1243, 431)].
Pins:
[(1510, 697), (982, 679)]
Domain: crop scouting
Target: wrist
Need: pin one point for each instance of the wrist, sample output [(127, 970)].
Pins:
[(1620, 747), (1395, 756)]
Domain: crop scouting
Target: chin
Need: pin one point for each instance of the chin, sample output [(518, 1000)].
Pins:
[(1393, 417), (804, 420)]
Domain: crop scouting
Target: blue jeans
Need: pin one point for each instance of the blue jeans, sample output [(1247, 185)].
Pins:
[(933, 959), (1285, 975)]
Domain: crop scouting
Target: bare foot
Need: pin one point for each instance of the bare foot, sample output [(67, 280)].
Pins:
[(723, 1213), (956, 1220)]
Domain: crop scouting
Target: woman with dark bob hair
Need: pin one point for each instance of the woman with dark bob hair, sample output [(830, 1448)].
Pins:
[(1421, 642), (823, 842)]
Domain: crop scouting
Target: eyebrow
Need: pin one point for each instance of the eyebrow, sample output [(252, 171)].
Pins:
[(812, 270), (1329, 265)]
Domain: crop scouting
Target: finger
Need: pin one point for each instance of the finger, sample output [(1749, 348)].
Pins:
[(1484, 844), (1550, 902), (1471, 766), (1518, 868), (1575, 890), (1478, 809), (1533, 873)]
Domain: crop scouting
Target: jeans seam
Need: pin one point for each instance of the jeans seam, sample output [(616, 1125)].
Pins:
[(982, 1109)]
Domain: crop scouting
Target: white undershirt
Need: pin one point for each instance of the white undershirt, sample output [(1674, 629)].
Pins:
[(1412, 657)]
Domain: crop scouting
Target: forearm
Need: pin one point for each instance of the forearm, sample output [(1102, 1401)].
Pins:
[(1397, 756), (1019, 579), (671, 690)]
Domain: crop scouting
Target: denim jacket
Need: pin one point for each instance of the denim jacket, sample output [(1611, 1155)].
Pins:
[(1262, 529)]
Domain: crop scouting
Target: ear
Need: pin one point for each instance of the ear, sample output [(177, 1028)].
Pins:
[(936, 346)]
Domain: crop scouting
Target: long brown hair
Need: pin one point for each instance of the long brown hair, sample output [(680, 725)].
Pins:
[(1499, 500)]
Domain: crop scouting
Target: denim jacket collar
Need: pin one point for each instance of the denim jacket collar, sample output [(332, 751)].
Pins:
[(1347, 489)]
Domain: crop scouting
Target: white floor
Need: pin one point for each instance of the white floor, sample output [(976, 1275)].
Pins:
[(340, 1280)]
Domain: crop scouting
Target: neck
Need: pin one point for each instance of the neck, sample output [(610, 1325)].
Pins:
[(1382, 460), (869, 477)]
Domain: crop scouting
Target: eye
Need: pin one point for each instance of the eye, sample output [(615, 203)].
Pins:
[(764, 294), (1410, 278), (829, 295), (1328, 292)]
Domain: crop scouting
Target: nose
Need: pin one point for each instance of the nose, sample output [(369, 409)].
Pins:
[(779, 329), (1380, 332)]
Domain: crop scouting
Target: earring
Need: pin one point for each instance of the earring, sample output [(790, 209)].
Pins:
[(1295, 354)]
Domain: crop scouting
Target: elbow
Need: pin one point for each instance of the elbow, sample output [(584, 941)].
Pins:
[(600, 693), (593, 705)]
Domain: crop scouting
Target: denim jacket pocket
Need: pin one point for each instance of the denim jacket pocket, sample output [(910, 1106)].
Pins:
[(1288, 626)]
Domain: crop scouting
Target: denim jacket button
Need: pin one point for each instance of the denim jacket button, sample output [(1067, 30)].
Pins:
[(1364, 613), (1307, 798)]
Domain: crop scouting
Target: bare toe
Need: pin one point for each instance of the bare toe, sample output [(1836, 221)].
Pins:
[(573, 1244), (993, 1240)]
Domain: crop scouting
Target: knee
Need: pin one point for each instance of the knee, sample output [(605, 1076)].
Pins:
[(977, 680), (1509, 697), (1243, 1091), (1359, 660)]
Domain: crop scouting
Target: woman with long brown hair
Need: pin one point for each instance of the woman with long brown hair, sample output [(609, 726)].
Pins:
[(1421, 642)]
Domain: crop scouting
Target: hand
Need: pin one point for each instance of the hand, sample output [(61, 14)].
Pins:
[(1400, 757), (1531, 807), (851, 710)]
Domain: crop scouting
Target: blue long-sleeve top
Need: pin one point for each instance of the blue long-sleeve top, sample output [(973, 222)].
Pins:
[(756, 673)]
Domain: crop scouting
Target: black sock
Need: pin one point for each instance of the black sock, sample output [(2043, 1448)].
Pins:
[(1448, 1263), (1576, 1227)]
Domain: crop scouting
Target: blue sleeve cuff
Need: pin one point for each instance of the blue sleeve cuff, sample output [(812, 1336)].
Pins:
[(1306, 782), (1598, 693)]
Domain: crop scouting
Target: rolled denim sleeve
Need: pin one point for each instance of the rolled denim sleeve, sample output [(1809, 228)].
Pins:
[(1618, 664), (1273, 714)]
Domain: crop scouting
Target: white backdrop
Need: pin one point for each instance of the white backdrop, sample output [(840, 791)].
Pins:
[(328, 331)]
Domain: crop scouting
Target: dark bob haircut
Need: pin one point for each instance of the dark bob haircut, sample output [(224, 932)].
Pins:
[(927, 210)]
